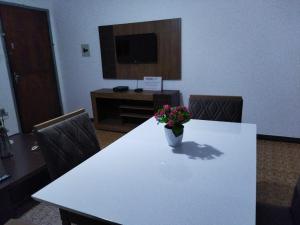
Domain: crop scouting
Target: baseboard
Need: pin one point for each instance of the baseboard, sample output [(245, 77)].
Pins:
[(278, 138)]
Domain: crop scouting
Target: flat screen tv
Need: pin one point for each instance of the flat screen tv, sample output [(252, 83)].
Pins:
[(136, 49)]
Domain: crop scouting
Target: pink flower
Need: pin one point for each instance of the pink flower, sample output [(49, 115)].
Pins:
[(180, 117), (173, 116), (170, 123), (167, 107)]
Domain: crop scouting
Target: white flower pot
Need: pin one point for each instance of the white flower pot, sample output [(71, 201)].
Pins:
[(173, 141)]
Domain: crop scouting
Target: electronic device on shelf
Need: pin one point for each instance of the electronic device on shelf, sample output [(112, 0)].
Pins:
[(138, 90), (120, 88)]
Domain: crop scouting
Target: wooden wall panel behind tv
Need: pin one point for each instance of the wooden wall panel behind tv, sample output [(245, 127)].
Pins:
[(168, 50)]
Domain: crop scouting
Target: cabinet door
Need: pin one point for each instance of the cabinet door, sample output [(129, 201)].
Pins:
[(31, 64)]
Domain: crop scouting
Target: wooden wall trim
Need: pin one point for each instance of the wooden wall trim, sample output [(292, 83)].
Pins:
[(168, 43)]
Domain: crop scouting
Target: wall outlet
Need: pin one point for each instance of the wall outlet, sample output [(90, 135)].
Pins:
[(85, 50)]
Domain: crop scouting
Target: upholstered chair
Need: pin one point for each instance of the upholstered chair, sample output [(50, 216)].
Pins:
[(66, 141), (218, 108)]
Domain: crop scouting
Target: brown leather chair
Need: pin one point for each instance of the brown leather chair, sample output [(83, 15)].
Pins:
[(275, 215), (218, 108), (66, 141)]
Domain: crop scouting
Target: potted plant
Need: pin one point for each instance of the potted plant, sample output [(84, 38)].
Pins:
[(174, 118)]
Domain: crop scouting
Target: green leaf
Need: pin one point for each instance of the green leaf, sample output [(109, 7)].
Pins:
[(178, 130)]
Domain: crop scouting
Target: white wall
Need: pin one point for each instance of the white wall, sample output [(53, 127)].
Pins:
[(6, 94), (6, 98), (247, 47)]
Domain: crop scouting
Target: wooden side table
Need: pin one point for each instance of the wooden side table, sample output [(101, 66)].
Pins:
[(28, 174)]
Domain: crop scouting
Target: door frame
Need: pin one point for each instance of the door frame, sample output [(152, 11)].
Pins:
[(9, 73)]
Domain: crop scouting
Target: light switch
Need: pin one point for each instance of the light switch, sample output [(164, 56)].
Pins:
[(85, 50)]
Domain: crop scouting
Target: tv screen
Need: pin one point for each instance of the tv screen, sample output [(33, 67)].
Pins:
[(137, 48)]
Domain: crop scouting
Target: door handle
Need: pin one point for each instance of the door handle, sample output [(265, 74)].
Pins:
[(17, 77)]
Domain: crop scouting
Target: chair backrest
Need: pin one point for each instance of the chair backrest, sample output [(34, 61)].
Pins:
[(66, 141), (219, 108), (295, 208)]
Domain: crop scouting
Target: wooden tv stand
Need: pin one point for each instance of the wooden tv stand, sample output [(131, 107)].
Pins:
[(123, 111)]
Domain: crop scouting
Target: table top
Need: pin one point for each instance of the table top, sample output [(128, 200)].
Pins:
[(139, 180)]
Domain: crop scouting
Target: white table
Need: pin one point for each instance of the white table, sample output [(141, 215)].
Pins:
[(140, 180)]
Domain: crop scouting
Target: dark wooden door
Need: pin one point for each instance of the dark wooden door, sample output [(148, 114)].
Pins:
[(29, 51)]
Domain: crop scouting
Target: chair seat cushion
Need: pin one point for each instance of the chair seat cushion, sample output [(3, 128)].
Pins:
[(272, 215)]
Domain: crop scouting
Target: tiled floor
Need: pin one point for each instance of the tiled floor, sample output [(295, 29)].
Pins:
[(278, 168), (106, 137)]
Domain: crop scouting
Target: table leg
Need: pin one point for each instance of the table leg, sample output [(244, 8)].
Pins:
[(68, 218), (64, 217)]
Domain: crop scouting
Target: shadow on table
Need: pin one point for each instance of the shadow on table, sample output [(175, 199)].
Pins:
[(197, 151)]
